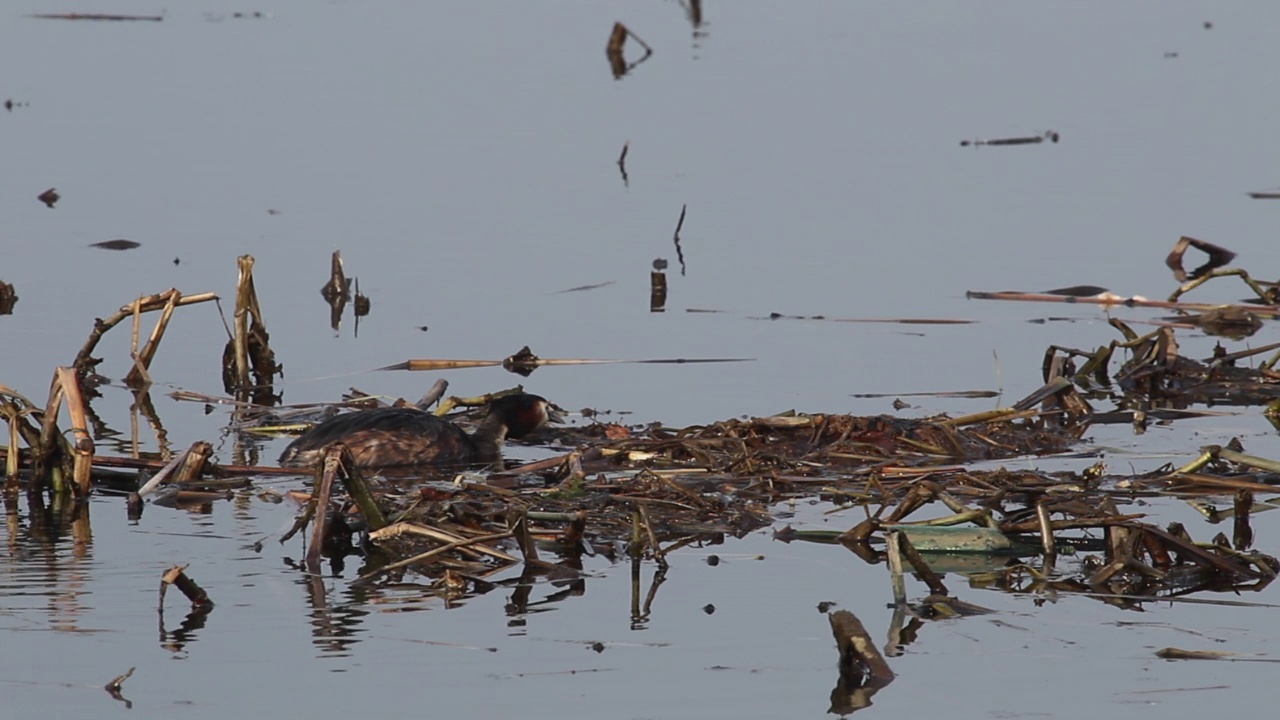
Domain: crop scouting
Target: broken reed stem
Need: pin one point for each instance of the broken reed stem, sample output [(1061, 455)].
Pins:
[(519, 524), (11, 457), (481, 539), (145, 304), (177, 577), (410, 528), (893, 552), (617, 39), (338, 288), (648, 529), (1046, 529), (118, 682), (355, 485), (926, 573), (636, 548), (142, 358), (332, 463), (83, 448), (1241, 532), (433, 394), (857, 647), (299, 522), (52, 443), (165, 472), (244, 293), (193, 462)]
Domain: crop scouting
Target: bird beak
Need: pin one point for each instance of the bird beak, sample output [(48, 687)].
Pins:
[(555, 415)]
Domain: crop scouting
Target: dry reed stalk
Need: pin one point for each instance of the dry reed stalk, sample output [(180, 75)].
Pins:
[(52, 443), (81, 531), (142, 359), (332, 464), (118, 682), (856, 645), (409, 528), (11, 459), (83, 447), (245, 301), (187, 466), (1047, 542), (893, 552), (338, 286), (356, 487), (654, 549), (536, 362), (1242, 533), (193, 461), (177, 577), (926, 573), (657, 291), (150, 303), (432, 553)]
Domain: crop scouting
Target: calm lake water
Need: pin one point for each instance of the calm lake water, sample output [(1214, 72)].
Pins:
[(462, 156)]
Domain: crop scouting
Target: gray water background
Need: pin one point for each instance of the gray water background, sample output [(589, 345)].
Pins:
[(462, 157)]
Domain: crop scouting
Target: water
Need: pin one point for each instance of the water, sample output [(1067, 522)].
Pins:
[(462, 157)]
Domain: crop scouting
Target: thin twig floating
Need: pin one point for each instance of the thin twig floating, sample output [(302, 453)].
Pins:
[(96, 16), (676, 238), (418, 365), (622, 164), (1266, 195), (613, 50), (1115, 300), (1049, 135), (962, 394), (898, 321), (584, 288), (423, 557)]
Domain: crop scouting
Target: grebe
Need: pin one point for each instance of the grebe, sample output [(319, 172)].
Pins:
[(407, 436)]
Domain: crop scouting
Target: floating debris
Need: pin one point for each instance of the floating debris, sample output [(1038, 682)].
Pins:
[(676, 238), (114, 687), (622, 164), (614, 50), (177, 577), (49, 197), (900, 321), (524, 362), (1078, 291), (118, 244), (1049, 135), (8, 298), (961, 394), (584, 288), (249, 350), (96, 16), (1218, 257), (658, 286)]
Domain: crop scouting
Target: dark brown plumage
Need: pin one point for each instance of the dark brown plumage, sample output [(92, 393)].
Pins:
[(407, 436)]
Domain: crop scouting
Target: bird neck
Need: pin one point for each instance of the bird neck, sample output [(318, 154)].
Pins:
[(489, 435)]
